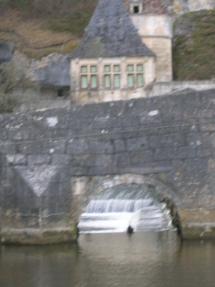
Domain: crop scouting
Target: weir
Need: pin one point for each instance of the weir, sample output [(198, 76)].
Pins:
[(76, 153), (125, 206)]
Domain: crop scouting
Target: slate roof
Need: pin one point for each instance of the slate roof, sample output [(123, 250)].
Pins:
[(111, 33)]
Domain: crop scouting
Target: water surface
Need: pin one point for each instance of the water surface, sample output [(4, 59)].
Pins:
[(147, 259)]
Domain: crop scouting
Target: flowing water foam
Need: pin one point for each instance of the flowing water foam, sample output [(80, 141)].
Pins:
[(121, 206)]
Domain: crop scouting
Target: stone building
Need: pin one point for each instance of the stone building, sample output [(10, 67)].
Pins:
[(154, 25), (126, 46)]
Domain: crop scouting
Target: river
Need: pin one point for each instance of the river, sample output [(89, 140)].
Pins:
[(146, 259)]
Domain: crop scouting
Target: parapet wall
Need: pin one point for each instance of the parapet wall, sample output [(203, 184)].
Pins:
[(168, 139), (164, 88)]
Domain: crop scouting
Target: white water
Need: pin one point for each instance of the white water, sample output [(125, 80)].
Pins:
[(121, 206)]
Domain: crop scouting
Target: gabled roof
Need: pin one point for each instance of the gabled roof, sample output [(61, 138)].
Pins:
[(111, 33)]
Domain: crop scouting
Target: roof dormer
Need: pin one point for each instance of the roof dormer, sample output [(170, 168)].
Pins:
[(136, 7)]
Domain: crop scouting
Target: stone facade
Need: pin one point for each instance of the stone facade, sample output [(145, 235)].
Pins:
[(156, 33), (166, 141), (111, 62), (121, 91)]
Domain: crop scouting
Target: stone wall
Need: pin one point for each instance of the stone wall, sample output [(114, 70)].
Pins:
[(163, 88), (169, 139)]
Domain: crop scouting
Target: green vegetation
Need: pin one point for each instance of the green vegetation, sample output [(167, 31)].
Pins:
[(39, 28), (194, 46)]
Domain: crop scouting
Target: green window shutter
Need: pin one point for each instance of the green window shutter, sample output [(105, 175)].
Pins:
[(83, 69), (116, 81), (139, 67), (130, 80), (116, 68), (93, 69), (83, 82), (107, 68), (139, 80), (107, 81), (93, 81), (130, 68)]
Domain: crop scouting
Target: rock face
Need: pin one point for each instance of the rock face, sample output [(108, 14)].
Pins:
[(52, 70), (6, 51), (184, 6), (194, 46)]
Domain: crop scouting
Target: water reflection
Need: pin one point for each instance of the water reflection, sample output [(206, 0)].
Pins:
[(143, 259)]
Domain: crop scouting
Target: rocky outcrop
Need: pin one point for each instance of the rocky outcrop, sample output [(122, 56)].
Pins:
[(6, 51), (184, 6), (52, 70)]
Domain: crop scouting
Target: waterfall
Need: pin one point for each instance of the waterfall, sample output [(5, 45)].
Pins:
[(118, 207)]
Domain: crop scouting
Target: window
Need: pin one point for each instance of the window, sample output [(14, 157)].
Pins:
[(93, 69), (130, 68), (116, 81), (93, 81), (112, 76), (136, 9), (116, 76), (107, 68), (88, 77), (60, 93), (116, 68), (139, 67), (83, 69), (139, 80), (107, 83), (107, 77), (84, 82), (135, 76), (130, 80)]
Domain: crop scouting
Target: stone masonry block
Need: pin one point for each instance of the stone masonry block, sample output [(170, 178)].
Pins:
[(7, 147), (121, 160), (37, 160), (100, 147), (141, 157), (172, 140), (16, 159), (77, 146), (83, 160), (137, 144), (57, 146), (119, 145), (155, 141), (104, 160), (60, 159)]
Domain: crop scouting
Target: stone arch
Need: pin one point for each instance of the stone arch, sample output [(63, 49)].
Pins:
[(88, 187)]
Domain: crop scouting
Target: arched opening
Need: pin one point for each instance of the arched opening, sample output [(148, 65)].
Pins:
[(129, 207)]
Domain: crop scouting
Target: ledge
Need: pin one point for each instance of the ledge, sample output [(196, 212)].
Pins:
[(38, 236)]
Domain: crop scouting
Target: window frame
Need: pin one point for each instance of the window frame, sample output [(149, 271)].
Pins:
[(88, 73), (136, 72), (113, 72)]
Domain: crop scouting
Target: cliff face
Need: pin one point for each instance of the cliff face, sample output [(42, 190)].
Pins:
[(184, 6), (6, 51), (194, 46)]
